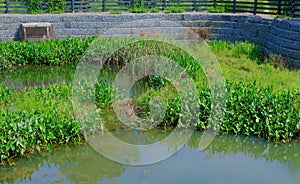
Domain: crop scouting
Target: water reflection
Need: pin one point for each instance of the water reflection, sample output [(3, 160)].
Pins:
[(74, 164), (36, 76), (43, 75), (229, 159)]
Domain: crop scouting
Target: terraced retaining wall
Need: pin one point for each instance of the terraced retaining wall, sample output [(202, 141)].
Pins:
[(279, 36)]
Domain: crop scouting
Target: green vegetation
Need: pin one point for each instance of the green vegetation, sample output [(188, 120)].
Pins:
[(154, 10), (50, 52), (115, 11), (244, 62), (34, 6), (138, 7), (261, 98), (282, 16), (35, 119), (56, 6), (218, 9), (174, 9), (240, 62)]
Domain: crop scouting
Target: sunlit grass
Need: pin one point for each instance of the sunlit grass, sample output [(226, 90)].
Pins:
[(241, 62)]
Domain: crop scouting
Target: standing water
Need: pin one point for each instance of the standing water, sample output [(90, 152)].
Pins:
[(229, 159)]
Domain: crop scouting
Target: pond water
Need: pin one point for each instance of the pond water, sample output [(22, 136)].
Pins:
[(228, 159), (36, 76)]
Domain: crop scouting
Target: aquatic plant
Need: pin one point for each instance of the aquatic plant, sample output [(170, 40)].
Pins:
[(33, 119), (49, 52), (36, 119)]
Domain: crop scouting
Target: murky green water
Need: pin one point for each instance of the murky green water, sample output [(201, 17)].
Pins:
[(42, 75), (229, 159), (36, 76)]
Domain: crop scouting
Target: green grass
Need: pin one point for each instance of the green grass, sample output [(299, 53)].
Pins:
[(218, 9), (136, 9), (174, 9), (154, 10), (50, 52), (115, 12), (241, 62)]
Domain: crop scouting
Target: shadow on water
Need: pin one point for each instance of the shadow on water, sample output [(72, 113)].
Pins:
[(229, 159)]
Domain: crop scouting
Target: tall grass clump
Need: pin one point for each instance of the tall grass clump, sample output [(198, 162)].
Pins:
[(49, 52), (237, 49), (138, 7)]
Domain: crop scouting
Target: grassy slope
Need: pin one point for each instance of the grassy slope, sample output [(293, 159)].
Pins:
[(239, 63)]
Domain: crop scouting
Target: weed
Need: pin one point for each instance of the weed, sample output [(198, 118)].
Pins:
[(174, 9), (115, 12), (138, 7), (49, 52), (154, 10)]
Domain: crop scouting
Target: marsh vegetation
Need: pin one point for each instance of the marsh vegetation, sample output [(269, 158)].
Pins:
[(262, 97)]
